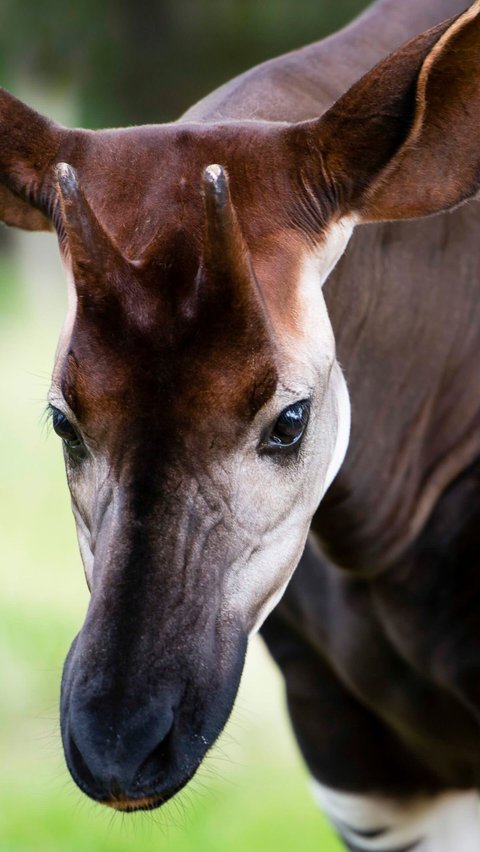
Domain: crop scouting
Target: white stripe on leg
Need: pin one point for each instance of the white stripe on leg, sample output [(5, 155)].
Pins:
[(446, 823)]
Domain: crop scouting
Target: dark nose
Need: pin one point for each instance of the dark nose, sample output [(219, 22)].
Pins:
[(114, 757)]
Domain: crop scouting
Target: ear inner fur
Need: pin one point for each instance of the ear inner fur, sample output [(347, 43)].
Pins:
[(29, 147), (443, 139), (385, 141)]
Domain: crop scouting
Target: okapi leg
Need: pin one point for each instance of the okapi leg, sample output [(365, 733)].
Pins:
[(446, 823), (347, 747)]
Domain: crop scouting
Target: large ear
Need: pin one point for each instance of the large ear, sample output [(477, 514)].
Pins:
[(29, 148), (405, 140)]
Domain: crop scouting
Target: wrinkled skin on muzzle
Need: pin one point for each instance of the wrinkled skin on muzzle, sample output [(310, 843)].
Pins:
[(150, 680)]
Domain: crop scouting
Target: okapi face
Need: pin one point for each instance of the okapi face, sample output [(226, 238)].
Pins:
[(202, 411), (200, 433)]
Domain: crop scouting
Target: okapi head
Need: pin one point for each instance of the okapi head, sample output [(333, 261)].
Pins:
[(202, 411)]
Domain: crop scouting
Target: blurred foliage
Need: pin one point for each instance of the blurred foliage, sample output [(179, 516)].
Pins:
[(148, 60)]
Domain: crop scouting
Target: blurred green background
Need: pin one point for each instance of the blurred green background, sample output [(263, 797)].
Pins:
[(96, 65)]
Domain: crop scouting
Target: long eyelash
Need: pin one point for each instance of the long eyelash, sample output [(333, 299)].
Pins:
[(47, 417)]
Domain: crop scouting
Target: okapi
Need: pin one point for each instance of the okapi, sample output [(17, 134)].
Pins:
[(204, 415)]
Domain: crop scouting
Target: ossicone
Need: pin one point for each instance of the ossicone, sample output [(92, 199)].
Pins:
[(79, 230)]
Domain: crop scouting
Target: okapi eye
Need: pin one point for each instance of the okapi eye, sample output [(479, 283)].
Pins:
[(68, 434), (289, 427)]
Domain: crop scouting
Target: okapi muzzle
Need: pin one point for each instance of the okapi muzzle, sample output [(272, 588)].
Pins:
[(150, 680)]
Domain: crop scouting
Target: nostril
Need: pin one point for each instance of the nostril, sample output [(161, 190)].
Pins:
[(79, 768), (113, 760), (157, 761)]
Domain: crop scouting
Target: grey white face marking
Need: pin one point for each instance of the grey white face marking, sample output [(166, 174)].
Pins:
[(284, 498), (313, 366)]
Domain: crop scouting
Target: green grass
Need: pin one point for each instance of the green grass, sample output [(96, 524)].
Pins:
[(252, 792)]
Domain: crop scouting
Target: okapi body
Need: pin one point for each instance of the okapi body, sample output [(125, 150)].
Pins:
[(204, 414)]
